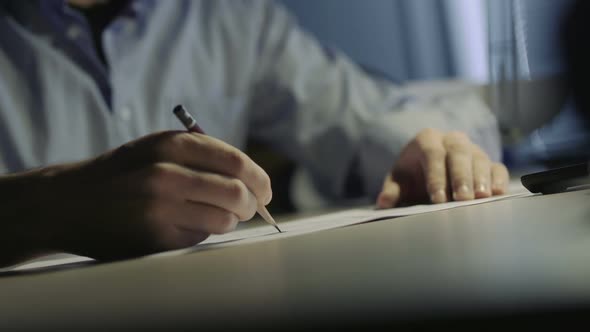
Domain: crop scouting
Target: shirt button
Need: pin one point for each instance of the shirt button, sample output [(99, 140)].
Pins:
[(74, 32), (125, 114), (129, 27)]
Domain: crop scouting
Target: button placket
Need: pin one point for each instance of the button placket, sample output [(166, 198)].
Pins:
[(125, 113)]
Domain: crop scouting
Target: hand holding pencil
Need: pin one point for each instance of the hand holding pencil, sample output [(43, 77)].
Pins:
[(191, 125), (164, 191)]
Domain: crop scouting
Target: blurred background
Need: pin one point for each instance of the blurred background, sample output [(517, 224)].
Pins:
[(515, 51)]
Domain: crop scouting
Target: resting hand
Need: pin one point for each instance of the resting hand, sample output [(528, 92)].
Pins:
[(439, 167)]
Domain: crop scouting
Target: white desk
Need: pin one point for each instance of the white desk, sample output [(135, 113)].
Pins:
[(515, 256)]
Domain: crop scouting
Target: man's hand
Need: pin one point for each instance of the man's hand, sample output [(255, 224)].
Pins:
[(439, 167), (165, 191)]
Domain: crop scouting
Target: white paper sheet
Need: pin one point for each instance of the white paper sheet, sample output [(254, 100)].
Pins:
[(291, 228), (325, 222)]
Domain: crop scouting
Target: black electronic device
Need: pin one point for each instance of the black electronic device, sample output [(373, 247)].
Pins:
[(558, 179)]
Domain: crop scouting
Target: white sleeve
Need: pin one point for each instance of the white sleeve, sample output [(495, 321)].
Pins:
[(322, 110)]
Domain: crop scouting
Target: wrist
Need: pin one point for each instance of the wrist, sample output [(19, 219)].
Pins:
[(53, 187), (30, 217)]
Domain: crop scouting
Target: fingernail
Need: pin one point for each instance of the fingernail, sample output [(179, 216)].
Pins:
[(481, 188), (462, 192), (439, 196)]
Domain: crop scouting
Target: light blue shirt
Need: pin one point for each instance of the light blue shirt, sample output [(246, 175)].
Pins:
[(243, 68)]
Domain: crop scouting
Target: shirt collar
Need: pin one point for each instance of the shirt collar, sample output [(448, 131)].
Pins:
[(24, 9)]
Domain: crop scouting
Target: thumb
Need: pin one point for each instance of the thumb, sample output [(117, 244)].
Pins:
[(390, 194)]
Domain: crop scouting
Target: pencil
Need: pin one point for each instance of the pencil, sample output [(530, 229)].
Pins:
[(191, 125)]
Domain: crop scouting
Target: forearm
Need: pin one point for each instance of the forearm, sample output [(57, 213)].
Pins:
[(25, 219)]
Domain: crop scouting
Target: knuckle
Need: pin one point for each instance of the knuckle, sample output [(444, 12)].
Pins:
[(427, 135), (478, 151), (169, 142), (236, 161), (159, 170), (460, 167), (199, 181), (482, 166), (455, 146), (161, 148), (456, 139), (155, 178), (457, 136), (184, 140), (428, 132), (237, 191), (481, 157), (500, 166), (434, 153), (123, 152), (500, 169)]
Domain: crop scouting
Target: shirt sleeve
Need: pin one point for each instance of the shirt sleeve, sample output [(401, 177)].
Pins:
[(322, 110)]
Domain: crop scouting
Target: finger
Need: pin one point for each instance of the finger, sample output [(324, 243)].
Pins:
[(221, 191), (434, 166), (169, 180), (500, 178), (482, 175), (201, 152), (459, 165), (227, 160), (200, 217), (390, 194), (172, 217), (188, 224), (188, 238)]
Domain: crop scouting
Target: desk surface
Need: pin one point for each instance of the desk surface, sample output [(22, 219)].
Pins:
[(518, 255)]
